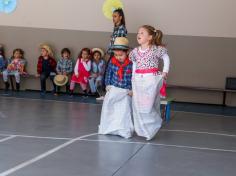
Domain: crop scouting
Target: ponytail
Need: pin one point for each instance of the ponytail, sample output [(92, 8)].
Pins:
[(157, 35), (158, 38)]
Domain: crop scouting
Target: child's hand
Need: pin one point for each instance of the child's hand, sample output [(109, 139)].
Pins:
[(37, 75), (164, 74), (10, 67), (130, 93), (77, 75)]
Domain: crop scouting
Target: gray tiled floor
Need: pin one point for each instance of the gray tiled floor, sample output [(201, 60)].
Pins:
[(171, 161), (18, 150), (191, 144), (83, 158)]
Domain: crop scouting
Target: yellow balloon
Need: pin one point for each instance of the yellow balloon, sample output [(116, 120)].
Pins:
[(109, 6)]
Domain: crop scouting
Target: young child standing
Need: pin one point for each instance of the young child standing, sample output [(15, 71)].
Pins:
[(46, 67), (147, 81), (15, 68), (97, 71), (81, 71), (116, 109), (65, 67)]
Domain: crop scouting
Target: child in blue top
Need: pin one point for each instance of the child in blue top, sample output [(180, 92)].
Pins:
[(97, 71), (65, 67)]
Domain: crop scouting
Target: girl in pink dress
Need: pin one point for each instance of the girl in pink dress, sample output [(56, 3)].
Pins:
[(81, 71)]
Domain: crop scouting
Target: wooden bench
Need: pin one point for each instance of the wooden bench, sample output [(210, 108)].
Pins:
[(223, 91), (11, 78)]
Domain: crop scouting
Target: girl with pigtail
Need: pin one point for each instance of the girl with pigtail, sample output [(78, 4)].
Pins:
[(147, 80)]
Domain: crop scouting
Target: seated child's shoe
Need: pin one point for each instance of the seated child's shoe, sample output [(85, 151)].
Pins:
[(17, 87), (7, 85), (71, 93), (101, 98), (85, 94)]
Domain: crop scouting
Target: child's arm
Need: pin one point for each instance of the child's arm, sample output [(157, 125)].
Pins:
[(39, 67), (133, 68), (76, 69), (87, 65), (54, 65), (70, 67), (103, 66), (166, 66), (58, 68), (108, 75), (22, 68)]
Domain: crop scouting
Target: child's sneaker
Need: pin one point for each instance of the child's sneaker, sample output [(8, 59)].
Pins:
[(101, 98)]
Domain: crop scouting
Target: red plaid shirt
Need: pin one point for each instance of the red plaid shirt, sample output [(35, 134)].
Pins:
[(52, 63)]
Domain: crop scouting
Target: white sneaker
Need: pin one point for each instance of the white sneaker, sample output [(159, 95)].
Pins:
[(100, 98)]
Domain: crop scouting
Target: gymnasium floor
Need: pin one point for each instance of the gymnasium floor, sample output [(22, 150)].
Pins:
[(57, 136)]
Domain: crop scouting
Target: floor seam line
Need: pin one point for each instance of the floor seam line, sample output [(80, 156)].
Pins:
[(128, 160)]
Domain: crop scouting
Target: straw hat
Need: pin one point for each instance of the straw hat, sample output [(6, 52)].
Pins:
[(121, 43), (47, 48), (60, 80), (99, 50)]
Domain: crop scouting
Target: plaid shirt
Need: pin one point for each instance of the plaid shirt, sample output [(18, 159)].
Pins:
[(65, 65), (119, 31), (112, 78)]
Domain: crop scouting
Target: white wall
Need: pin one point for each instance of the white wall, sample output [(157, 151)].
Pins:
[(176, 17)]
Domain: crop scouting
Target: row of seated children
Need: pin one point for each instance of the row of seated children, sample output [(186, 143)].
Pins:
[(88, 71)]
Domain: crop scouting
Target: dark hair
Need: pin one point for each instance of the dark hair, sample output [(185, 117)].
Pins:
[(65, 50), (156, 35), (97, 52), (86, 50), (18, 50), (121, 13)]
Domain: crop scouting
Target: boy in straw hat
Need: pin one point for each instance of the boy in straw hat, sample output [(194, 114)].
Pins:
[(46, 67), (116, 109)]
